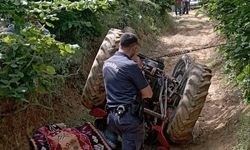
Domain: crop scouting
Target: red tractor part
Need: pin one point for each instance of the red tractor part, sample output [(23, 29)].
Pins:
[(98, 113)]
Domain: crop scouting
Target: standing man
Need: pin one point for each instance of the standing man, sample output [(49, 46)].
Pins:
[(186, 6), (123, 82), (178, 7)]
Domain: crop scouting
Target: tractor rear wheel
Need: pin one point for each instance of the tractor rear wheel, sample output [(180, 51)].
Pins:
[(193, 91), (93, 91)]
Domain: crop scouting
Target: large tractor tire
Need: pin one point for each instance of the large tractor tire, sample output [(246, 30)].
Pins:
[(93, 91), (194, 91)]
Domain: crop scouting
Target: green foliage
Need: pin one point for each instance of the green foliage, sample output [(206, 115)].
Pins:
[(74, 20), (243, 134), (31, 59), (164, 5), (233, 21), (31, 62), (143, 15), (73, 26)]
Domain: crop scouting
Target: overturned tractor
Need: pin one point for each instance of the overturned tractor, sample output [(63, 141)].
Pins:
[(170, 115)]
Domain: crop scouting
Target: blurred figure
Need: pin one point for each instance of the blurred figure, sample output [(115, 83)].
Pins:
[(186, 4), (178, 7)]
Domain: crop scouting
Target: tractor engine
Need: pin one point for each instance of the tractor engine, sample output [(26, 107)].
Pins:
[(158, 107)]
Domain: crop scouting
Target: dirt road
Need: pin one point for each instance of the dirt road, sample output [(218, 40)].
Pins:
[(217, 125)]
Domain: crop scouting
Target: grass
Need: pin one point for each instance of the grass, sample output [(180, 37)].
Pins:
[(243, 134)]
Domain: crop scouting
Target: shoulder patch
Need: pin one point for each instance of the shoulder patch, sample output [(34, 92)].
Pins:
[(112, 65)]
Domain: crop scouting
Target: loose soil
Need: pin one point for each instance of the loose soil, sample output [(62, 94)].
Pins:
[(215, 129)]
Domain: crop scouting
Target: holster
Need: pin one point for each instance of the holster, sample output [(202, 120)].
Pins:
[(137, 108)]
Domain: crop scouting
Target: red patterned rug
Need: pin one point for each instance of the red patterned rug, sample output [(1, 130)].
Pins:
[(58, 137)]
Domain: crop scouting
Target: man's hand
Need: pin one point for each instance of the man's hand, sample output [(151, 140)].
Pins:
[(146, 92), (138, 61)]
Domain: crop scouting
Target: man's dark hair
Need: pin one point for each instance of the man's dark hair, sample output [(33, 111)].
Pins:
[(128, 38)]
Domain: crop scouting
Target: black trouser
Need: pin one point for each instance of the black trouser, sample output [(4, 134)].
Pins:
[(130, 127), (178, 8), (186, 7)]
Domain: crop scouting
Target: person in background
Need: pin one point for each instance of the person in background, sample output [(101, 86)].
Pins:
[(186, 4), (124, 81), (178, 7)]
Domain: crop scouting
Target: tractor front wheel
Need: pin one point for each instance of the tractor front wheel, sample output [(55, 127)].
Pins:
[(193, 96)]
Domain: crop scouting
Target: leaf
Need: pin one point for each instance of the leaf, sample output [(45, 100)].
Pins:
[(17, 2), (238, 49), (50, 24), (8, 39), (75, 46), (14, 65), (41, 15), (69, 25), (68, 48), (61, 46), (22, 89), (54, 18), (247, 70), (50, 70), (247, 25), (24, 2), (18, 74), (6, 82), (240, 77), (87, 24), (15, 80)]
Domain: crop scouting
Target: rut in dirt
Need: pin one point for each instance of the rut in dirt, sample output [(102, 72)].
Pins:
[(216, 126)]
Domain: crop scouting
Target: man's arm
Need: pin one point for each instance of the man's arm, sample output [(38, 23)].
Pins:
[(146, 92), (140, 81)]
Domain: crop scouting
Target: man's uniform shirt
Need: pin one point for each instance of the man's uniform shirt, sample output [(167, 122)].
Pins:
[(123, 80)]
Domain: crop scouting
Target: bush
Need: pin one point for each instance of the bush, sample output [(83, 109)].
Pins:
[(31, 62), (232, 17), (31, 59), (144, 16)]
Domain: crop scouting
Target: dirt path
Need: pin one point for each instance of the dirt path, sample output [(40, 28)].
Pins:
[(217, 126)]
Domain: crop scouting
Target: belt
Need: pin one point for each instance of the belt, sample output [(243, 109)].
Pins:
[(120, 109)]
